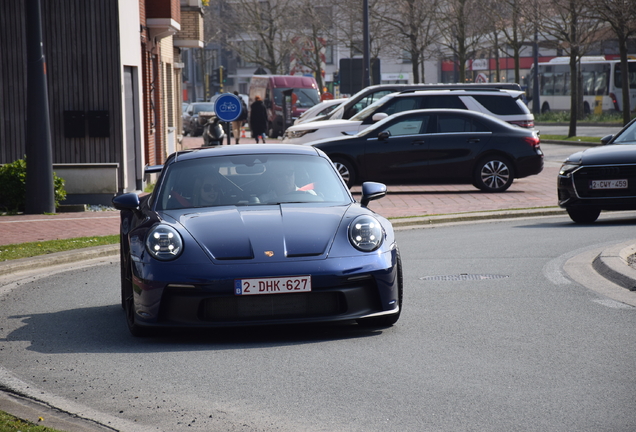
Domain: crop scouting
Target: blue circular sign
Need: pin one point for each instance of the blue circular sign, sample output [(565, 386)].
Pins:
[(227, 107)]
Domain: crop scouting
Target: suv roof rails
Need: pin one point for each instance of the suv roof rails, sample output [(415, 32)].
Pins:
[(477, 89)]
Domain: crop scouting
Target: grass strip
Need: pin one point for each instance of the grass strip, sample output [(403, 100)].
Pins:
[(9, 423), (31, 249), (573, 139)]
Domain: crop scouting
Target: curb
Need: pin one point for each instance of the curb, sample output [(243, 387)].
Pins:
[(612, 263), (19, 265), (473, 216)]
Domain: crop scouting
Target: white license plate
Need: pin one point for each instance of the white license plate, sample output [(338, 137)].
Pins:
[(276, 285), (608, 184)]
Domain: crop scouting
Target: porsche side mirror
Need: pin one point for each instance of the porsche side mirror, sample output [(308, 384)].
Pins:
[(606, 139), (127, 201), (372, 191)]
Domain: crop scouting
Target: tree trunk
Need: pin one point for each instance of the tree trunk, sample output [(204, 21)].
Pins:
[(574, 99), (622, 47)]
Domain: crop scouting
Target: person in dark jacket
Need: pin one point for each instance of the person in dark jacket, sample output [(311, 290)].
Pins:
[(258, 119)]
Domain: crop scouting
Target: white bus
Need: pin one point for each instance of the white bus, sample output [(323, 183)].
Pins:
[(601, 85)]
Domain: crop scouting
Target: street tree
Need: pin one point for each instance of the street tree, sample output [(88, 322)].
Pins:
[(510, 29), (461, 32), (348, 30), (412, 27), (620, 15), (256, 31), (310, 37), (568, 26)]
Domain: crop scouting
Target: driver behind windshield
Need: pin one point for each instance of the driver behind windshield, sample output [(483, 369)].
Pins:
[(282, 182)]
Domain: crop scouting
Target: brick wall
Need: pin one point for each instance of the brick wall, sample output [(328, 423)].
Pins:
[(191, 25)]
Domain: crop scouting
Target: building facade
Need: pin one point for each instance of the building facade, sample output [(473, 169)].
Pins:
[(113, 74)]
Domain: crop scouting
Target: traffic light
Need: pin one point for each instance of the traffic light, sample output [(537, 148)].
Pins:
[(216, 76)]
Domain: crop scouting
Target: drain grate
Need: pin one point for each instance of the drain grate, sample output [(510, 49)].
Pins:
[(463, 276)]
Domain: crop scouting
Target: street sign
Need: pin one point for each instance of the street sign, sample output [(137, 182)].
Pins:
[(227, 107)]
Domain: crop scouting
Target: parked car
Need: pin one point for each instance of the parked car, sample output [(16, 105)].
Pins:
[(371, 94), (255, 235), (184, 116), (504, 104), (600, 178), (323, 108), (437, 146), (192, 123)]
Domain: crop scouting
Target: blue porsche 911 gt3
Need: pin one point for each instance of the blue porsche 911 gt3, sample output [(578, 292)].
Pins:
[(252, 235)]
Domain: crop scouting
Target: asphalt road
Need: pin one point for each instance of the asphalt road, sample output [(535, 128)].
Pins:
[(494, 336)]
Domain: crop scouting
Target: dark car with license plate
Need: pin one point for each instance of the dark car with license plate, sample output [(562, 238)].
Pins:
[(437, 146), (196, 116), (600, 178), (252, 235)]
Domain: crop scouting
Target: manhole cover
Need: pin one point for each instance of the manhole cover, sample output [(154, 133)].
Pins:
[(463, 276)]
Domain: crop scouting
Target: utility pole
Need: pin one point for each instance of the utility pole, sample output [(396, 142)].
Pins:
[(366, 67), (40, 194), (536, 103)]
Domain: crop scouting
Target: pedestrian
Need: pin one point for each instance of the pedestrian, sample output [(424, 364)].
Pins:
[(239, 122), (258, 119)]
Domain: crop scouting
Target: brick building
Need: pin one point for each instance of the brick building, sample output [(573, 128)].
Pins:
[(113, 73)]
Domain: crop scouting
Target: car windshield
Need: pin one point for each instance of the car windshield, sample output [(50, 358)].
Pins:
[(372, 108), (628, 136), (307, 97), (258, 179)]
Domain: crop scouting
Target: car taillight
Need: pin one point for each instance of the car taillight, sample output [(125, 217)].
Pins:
[(523, 123), (533, 141)]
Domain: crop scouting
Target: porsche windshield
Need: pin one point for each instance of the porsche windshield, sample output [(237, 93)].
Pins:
[(258, 179)]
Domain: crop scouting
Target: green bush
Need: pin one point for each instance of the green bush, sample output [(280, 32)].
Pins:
[(13, 191)]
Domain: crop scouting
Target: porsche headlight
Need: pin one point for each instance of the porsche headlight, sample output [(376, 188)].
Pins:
[(164, 243), (567, 169), (300, 133), (366, 234)]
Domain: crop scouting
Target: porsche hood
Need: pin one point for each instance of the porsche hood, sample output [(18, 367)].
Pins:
[(265, 234)]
